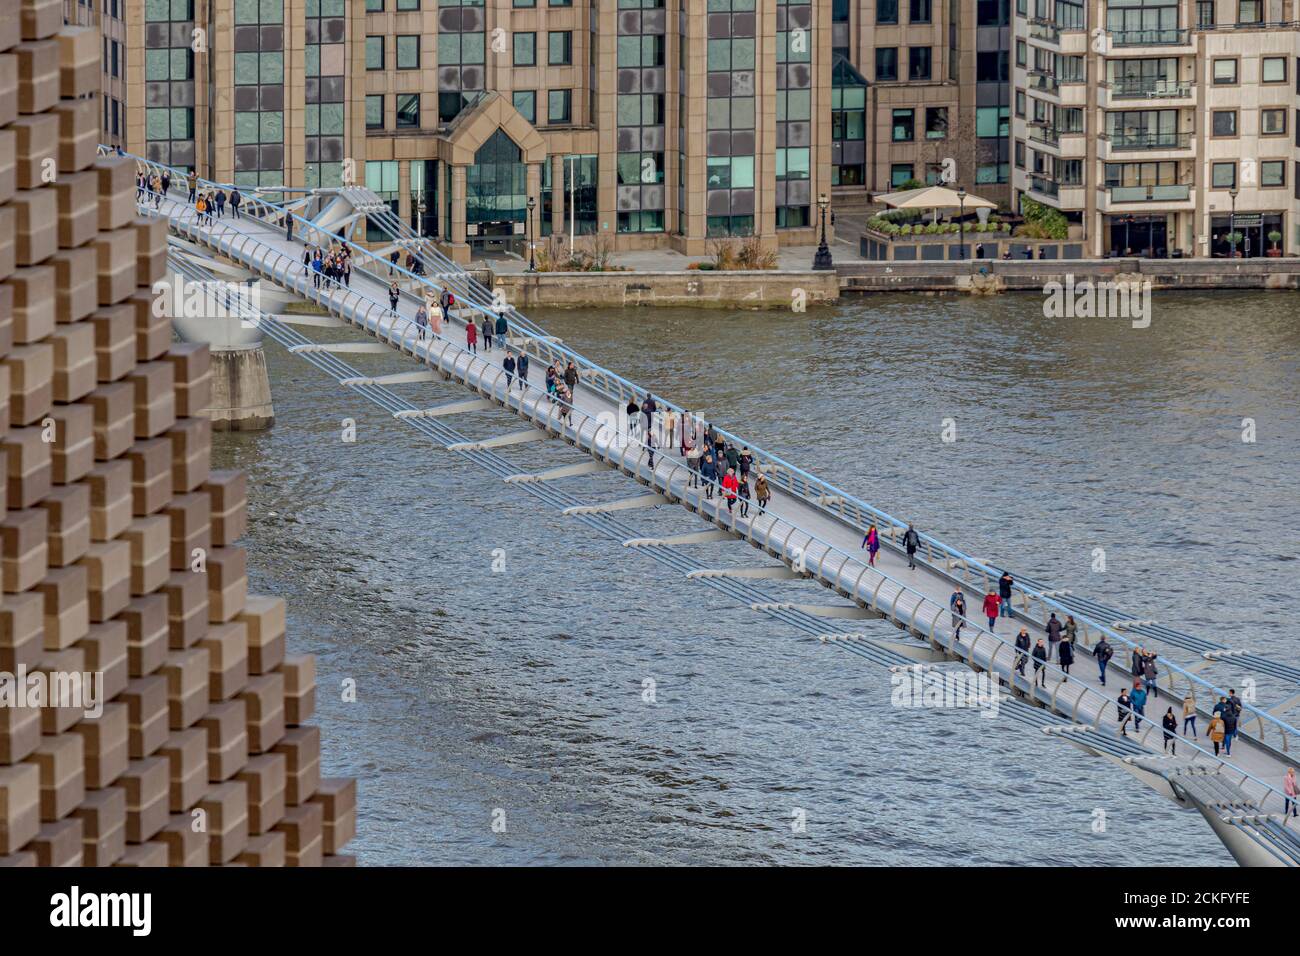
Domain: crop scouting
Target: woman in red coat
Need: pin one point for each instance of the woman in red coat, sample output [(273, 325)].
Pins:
[(471, 337), (729, 486)]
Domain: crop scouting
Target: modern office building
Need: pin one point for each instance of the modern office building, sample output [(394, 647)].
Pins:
[(1161, 127), (654, 122)]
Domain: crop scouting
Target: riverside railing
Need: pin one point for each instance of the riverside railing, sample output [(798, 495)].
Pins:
[(831, 500), (592, 434)]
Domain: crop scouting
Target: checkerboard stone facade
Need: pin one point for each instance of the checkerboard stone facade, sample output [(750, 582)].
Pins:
[(119, 550)]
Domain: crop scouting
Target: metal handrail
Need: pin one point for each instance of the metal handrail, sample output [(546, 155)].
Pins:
[(794, 480)]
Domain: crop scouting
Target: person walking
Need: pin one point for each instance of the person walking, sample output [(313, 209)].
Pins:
[(1138, 696), (221, 203), (192, 182), (1053, 629), (1189, 715), (392, 263), (522, 366), (201, 207), (394, 295), (471, 337), (571, 376), (1135, 664), (871, 541), (729, 486), (1289, 788), (633, 413), (317, 267), (1149, 673), (746, 461), (1004, 593), (991, 602), (762, 493), (957, 604), (1022, 646), (1124, 705), (648, 408), (1102, 652), (166, 181), (1170, 724), (1216, 732), (502, 329), (743, 490), (911, 541), (486, 328), (1070, 632), (1065, 655), (1040, 661), (422, 321), (509, 366), (1229, 718), (236, 200), (445, 302), (693, 456), (708, 473)]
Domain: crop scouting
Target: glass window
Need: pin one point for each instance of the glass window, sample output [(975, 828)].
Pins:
[(1225, 122), (936, 122), (886, 11), (1272, 172), (374, 53), (559, 107), (374, 111), (525, 101), (1272, 122), (904, 121), (918, 63), (1223, 175), (918, 11), (900, 174), (1225, 72), (1273, 69), (560, 47), (408, 110), (408, 53), (525, 49), (886, 64)]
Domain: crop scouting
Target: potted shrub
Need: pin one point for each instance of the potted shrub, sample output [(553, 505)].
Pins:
[(1275, 237), (1234, 244)]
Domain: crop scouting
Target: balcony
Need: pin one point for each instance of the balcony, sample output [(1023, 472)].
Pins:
[(1121, 198), (1042, 81), (1119, 141), (1044, 134), (1166, 92), (1043, 29), (1044, 185), (1163, 40)]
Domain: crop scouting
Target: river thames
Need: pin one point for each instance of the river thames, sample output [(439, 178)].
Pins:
[(518, 696)]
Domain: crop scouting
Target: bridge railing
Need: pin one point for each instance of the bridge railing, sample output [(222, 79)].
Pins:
[(796, 546), (781, 474)]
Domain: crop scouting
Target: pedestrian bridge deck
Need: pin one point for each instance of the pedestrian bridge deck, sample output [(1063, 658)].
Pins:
[(808, 532)]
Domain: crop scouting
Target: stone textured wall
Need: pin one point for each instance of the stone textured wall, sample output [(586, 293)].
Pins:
[(119, 544)]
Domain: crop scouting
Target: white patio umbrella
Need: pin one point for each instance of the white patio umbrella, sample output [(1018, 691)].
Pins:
[(934, 197)]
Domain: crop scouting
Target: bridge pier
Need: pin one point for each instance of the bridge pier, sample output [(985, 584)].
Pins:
[(241, 385)]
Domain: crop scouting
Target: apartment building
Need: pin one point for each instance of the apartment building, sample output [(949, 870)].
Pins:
[(1161, 127), (108, 16), (933, 79)]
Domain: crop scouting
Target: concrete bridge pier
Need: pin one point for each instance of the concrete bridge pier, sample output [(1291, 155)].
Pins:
[(241, 385)]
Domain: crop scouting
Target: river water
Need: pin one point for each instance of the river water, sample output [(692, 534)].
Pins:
[(580, 704)]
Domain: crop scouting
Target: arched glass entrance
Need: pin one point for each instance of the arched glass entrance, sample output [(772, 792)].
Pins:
[(496, 196)]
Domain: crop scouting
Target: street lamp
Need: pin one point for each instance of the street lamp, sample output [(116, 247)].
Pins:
[(961, 223), (822, 260), (420, 210), (1231, 224), (528, 226)]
